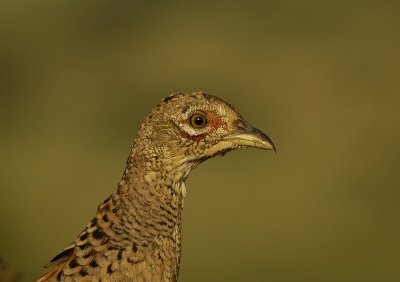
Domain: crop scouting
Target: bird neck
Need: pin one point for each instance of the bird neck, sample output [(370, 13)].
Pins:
[(152, 189)]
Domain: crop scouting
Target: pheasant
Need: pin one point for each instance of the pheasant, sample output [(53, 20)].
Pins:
[(136, 232)]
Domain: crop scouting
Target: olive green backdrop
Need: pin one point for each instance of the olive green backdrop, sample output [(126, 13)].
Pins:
[(321, 78)]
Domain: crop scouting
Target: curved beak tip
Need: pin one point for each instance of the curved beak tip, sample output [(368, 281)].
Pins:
[(261, 140), (252, 137)]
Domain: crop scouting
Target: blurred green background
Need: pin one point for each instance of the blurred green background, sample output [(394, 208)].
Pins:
[(321, 78)]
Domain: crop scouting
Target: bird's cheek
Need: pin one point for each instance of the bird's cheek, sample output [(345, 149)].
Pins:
[(209, 150)]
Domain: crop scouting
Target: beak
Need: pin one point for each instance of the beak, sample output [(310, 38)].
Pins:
[(250, 136)]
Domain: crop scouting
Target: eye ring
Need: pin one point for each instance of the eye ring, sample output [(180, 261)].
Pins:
[(198, 121)]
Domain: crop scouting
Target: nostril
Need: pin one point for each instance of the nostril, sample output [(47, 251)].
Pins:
[(241, 124)]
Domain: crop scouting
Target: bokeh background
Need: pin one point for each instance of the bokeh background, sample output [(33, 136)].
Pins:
[(321, 78)]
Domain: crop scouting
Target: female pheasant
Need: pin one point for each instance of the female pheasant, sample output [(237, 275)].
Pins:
[(136, 232)]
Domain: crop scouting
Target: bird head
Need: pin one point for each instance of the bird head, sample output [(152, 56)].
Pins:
[(200, 126)]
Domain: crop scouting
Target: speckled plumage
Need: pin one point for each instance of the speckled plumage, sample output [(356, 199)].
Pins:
[(136, 233)]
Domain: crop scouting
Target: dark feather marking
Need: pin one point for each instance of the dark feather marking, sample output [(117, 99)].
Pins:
[(94, 222), (120, 254), (73, 263), (106, 200), (83, 272), (132, 261), (97, 234), (88, 254), (82, 247), (60, 275), (84, 236), (109, 270), (185, 108), (93, 263), (66, 252), (168, 98), (206, 96)]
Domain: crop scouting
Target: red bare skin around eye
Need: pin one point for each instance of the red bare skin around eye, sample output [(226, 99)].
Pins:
[(212, 121)]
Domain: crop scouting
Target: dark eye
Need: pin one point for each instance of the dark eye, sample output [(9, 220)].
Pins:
[(197, 120)]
